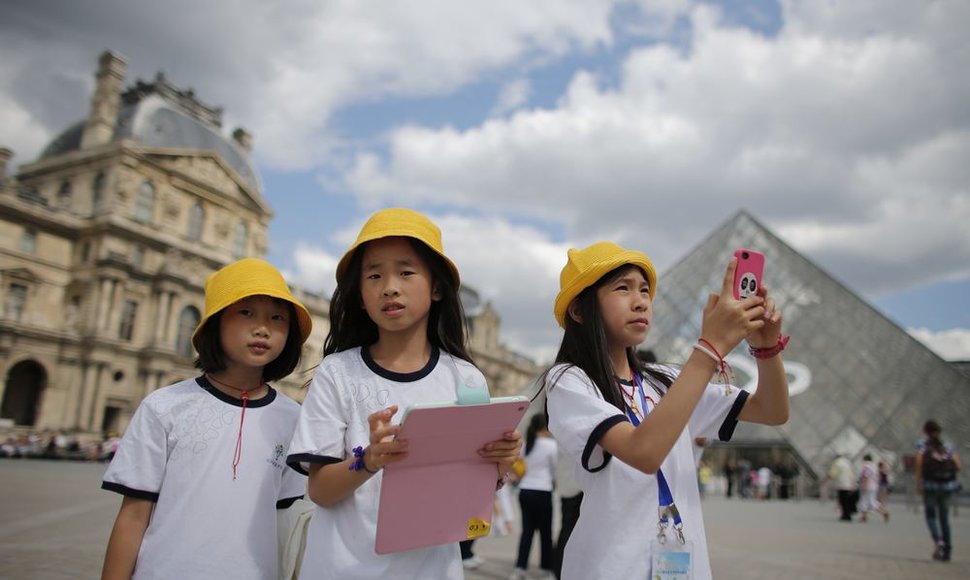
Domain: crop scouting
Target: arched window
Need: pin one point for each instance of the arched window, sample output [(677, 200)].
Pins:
[(188, 320), (240, 240), (128, 313), (196, 221), (97, 192), (145, 202), (64, 195)]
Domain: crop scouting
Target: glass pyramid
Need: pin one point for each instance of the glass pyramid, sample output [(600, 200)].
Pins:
[(858, 381)]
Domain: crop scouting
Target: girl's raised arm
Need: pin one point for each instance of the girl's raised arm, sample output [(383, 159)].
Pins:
[(726, 322), (769, 404)]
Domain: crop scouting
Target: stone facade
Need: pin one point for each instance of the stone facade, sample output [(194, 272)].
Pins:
[(106, 242)]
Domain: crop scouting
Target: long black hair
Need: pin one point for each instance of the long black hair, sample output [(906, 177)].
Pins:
[(538, 423), (584, 345), (350, 326)]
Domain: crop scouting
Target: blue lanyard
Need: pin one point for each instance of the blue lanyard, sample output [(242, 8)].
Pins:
[(665, 499)]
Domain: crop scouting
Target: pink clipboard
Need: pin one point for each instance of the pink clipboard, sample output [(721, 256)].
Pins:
[(443, 492)]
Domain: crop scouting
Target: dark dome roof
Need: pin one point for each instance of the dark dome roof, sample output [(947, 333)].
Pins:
[(155, 122)]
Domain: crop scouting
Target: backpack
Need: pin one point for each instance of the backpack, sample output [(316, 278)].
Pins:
[(938, 464)]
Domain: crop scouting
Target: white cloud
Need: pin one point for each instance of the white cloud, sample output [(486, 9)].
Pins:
[(315, 268), (512, 96), (284, 71), (515, 267), (847, 135), (21, 131), (952, 345)]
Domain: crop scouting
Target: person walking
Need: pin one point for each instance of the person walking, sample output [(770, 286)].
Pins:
[(869, 490), (885, 484), (843, 475), (535, 497), (937, 465), (570, 500)]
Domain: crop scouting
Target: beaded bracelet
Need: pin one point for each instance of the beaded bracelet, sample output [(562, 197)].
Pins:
[(768, 352), (359, 463)]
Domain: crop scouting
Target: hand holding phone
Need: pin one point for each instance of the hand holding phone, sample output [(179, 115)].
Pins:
[(748, 274)]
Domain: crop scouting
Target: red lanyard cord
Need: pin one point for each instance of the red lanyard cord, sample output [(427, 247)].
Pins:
[(244, 393)]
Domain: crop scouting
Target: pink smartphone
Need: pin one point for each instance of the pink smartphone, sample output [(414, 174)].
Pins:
[(747, 277)]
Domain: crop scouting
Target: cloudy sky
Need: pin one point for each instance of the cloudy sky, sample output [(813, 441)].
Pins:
[(527, 127)]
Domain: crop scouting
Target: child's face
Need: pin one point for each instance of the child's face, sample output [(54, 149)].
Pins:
[(626, 308), (253, 331), (396, 285)]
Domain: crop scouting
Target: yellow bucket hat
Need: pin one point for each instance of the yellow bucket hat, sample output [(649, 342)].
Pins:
[(398, 221), (244, 278), (584, 267)]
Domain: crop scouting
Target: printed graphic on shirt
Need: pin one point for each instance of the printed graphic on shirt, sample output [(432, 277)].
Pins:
[(279, 457)]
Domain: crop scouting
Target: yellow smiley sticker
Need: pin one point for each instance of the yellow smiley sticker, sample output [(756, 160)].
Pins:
[(477, 528)]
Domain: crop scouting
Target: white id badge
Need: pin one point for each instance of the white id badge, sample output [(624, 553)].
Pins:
[(671, 560)]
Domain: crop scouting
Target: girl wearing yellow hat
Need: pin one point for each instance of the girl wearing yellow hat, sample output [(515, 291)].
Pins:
[(202, 463), (397, 337), (628, 427)]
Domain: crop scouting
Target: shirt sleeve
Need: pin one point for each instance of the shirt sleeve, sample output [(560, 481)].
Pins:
[(292, 488), (716, 414), (321, 427), (579, 416), (138, 467)]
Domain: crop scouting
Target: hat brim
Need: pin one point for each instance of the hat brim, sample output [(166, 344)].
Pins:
[(304, 321), (597, 270), (344, 262)]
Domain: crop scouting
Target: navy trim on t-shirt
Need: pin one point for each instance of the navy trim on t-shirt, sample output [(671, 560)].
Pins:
[(129, 492), (270, 396), (287, 502), (296, 459), (594, 439), (400, 377), (731, 421)]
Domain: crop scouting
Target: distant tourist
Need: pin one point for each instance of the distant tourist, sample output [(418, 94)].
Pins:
[(885, 484), (764, 482), (937, 465), (535, 497), (843, 475), (869, 490)]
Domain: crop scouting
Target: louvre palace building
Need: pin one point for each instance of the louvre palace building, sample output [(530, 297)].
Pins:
[(105, 244)]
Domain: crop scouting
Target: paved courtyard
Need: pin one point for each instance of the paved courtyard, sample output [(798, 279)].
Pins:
[(55, 521)]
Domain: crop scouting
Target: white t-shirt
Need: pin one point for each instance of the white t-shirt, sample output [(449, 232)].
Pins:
[(868, 477), (764, 478), (178, 452), (540, 465), (347, 387), (619, 514), (841, 472)]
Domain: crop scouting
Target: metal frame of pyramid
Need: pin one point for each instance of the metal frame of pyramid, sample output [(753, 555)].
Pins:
[(859, 382)]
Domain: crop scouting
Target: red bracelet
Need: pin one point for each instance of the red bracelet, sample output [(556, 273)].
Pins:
[(724, 370), (763, 353), (708, 344)]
